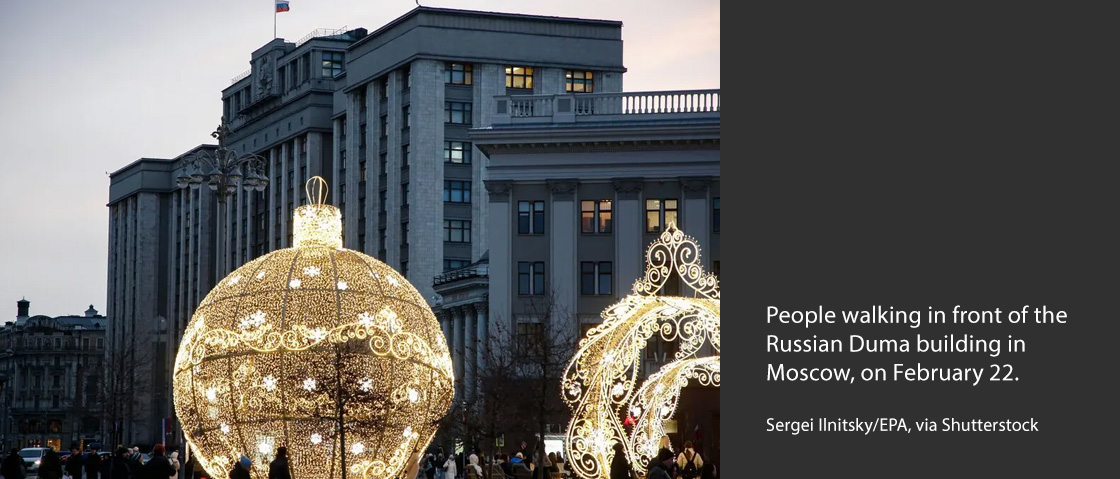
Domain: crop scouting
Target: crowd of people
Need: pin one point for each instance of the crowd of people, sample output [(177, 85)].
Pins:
[(125, 463)]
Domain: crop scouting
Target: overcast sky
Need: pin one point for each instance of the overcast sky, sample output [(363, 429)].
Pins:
[(88, 87)]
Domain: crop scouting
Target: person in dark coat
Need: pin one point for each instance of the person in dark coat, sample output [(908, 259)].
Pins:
[(241, 469), (12, 468), (278, 469), (158, 467), (49, 466), (92, 463), (659, 466), (74, 463), (118, 466), (620, 468)]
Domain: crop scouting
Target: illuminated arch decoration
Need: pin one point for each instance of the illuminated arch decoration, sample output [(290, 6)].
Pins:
[(600, 384), (284, 343), (656, 402)]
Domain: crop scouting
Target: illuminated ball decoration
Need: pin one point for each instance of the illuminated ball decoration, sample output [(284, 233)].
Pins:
[(318, 348), (601, 384)]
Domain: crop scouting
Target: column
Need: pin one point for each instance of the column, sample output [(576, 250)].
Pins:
[(628, 228), (562, 265), (469, 341), (271, 194), (482, 326), (457, 348), (501, 271), (696, 215), (285, 188)]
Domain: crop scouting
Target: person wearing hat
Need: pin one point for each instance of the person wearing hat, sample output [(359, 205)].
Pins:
[(620, 467), (659, 467), (158, 467), (241, 469)]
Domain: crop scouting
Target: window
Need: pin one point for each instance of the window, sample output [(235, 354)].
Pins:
[(85, 344), (384, 89), (332, 64), (456, 191), (715, 269), (342, 133), (450, 264), (57, 381), (362, 135), (381, 238), (54, 401), (457, 152), (457, 231), (529, 335), (519, 77), (595, 277), (579, 81), (382, 197), (100, 343), (384, 126), (715, 214), (404, 156), (530, 217), (458, 73), (659, 213), (406, 115), (404, 195), (458, 112), (595, 216), (407, 77), (383, 161), (404, 234), (530, 278), (306, 61), (404, 269)]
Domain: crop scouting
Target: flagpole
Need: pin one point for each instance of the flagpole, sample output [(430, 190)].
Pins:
[(274, 22)]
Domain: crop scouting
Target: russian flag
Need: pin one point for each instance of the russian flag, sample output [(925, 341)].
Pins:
[(281, 6)]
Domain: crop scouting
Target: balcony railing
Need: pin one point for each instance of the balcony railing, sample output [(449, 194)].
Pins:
[(245, 74), (567, 108)]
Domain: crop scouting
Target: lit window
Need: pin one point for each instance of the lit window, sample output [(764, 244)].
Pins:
[(595, 277), (458, 73), (595, 216), (530, 217), (332, 63), (457, 152), (579, 81), (659, 213), (519, 77), (456, 191), (457, 231), (458, 112)]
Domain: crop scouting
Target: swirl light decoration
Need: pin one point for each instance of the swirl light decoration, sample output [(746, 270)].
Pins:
[(318, 348), (599, 383)]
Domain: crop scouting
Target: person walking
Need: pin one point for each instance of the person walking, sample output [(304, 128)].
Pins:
[(659, 466), (119, 468), (173, 459), (689, 463), (241, 469), (49, 466), (620, 468), (74, 463), (92, 463), (278, 468), (158, 467), (451, 472), (12, 467)]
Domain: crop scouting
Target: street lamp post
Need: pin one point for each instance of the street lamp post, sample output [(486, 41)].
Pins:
[(225, 169)]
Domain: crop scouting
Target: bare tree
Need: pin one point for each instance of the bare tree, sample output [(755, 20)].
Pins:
[(119, 391)]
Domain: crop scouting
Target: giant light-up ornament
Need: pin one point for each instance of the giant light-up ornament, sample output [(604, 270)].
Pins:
[(600, 384), (318, 348)]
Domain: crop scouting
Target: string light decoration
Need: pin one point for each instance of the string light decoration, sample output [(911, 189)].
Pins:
[(600, 384), (321, 349)]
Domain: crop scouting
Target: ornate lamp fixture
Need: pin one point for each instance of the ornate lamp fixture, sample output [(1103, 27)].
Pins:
[(318, 348), (224, 169), (600, 385)]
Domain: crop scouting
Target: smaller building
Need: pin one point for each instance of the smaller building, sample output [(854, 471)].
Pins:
[(50, 379)]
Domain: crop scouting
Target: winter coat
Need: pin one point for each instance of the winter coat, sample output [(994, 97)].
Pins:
[(473, 466), (158, 467), (174, 461), (278, 469), (620, 469), (657, 470), (239, 472), (120, 468), (74, 466), (449, 467), (683, 460), (92, 463), (50, 467), (12, 468)]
